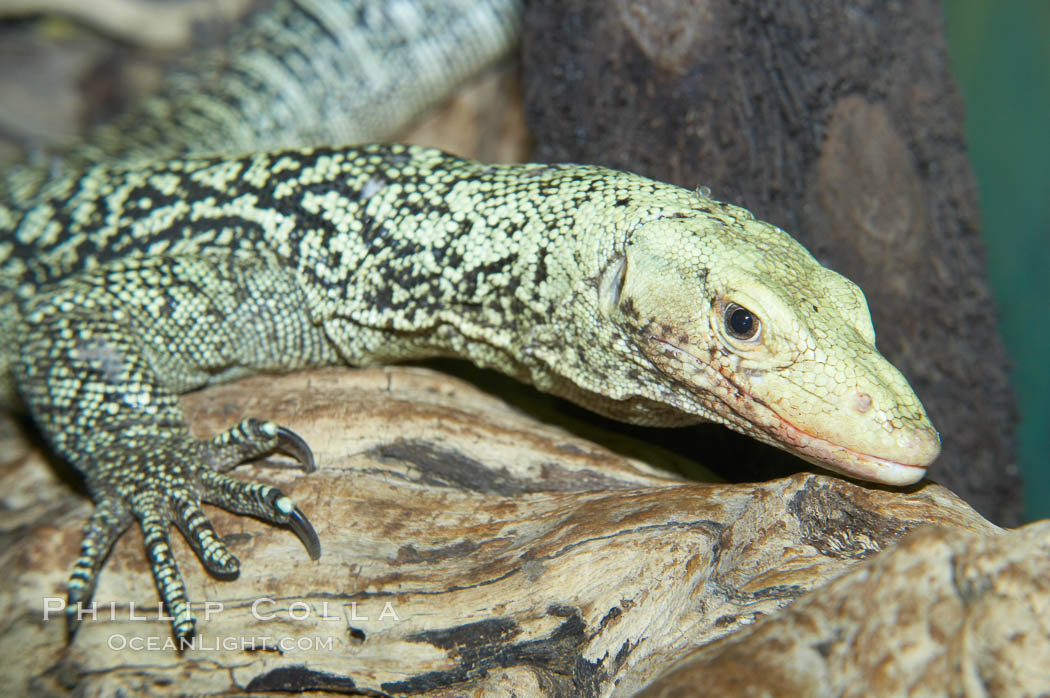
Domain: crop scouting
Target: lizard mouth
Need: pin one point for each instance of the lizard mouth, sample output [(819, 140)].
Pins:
[(753, 416), (842, 459)]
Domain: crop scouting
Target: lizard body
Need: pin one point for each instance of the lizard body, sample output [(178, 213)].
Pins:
[(128, 282)]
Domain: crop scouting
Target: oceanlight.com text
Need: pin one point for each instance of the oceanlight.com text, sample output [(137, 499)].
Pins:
[(120, 642)]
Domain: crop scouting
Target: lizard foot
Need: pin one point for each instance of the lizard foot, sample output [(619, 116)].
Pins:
[(181, 473)]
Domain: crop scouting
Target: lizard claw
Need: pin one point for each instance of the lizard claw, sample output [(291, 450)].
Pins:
[(302, 527), (291, 444)]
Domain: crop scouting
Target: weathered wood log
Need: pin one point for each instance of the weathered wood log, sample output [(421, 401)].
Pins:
[(468, 549), (841, 123), (946, 612)]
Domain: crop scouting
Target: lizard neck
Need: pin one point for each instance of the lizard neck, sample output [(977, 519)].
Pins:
[(422, 254)]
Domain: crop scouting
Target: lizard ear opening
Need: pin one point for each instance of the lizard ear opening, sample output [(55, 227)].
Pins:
[(610, 285)]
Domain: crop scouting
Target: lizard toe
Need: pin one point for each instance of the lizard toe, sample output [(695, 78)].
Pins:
[(200, 534), (149, 509), (253, 438), (107, 523), (262, 501)]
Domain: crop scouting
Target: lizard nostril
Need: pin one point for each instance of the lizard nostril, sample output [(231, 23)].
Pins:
[(862, 402)]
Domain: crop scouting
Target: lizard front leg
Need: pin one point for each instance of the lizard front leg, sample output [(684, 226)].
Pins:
[(105, 354)]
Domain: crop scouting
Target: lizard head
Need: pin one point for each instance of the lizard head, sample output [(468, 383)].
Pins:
[(746, 328)]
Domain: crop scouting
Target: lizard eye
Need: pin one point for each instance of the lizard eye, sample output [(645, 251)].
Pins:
[(740, 322)]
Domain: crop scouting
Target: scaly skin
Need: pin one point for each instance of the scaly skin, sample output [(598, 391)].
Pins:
[(123, 285)]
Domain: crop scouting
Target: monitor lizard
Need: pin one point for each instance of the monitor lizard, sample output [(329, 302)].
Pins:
[(130, 274)]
